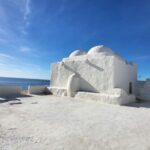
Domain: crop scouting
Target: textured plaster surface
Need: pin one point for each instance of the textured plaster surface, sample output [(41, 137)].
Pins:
[(124, 73), (96, 74), (99, 70)]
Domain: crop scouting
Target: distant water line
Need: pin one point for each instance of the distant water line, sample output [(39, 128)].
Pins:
[(24, 83)]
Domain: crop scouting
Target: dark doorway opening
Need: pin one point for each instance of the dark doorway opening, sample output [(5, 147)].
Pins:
[(130, 87)]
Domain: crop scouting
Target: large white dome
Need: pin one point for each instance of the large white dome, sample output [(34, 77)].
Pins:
[(77, 53), (100, 49)]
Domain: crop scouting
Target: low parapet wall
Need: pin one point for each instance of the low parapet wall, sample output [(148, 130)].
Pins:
[(114, 96), (9, 91), (38, 90), (143, 90)]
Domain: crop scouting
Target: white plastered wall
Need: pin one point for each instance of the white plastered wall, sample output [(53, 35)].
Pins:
[(124, 73), (95, 72)]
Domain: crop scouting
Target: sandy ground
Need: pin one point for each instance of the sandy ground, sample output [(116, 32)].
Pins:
[(52, 123)]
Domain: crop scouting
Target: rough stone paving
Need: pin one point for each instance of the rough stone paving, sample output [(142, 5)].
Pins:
[(52, 123)]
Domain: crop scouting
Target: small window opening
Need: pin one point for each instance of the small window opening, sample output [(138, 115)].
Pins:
[(130, 88)]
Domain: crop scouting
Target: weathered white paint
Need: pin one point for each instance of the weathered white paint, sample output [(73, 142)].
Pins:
[(98, 71), (9, 91), (38, 90)]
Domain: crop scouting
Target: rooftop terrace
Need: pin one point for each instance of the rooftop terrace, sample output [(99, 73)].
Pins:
[(49, 122)]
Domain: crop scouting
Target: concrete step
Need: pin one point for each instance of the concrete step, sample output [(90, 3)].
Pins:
[(59, 91), (106, 98)]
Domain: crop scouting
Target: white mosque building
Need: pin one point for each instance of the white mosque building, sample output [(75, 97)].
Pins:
[(99, 74)]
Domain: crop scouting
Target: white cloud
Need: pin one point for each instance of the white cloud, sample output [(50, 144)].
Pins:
[(143, 57), (5, 56), (27, 9), (13, 67), (24, 7), (14, 34), (23, 70), (25, 49), (27, 13)]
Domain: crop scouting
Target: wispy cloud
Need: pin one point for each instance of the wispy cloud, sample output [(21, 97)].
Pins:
[(13, 67), (27, 9), (6, 59), (26, 15), (25, 49), (14, 34), (2, 55), (145, 57), (15, 20)]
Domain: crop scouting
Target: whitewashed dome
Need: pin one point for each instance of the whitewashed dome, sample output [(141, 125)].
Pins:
[(100, 49), (77, 53)]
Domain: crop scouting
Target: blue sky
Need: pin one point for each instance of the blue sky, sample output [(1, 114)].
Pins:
[(35, 33)]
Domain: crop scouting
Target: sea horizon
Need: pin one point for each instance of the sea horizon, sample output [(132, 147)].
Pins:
[(24, 78), (23, 82)]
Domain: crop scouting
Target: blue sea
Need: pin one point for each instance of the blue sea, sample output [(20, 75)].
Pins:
[(24, 83)]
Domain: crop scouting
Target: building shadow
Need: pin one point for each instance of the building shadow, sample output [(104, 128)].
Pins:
[(140, 104), (4, 99), (85, 86)]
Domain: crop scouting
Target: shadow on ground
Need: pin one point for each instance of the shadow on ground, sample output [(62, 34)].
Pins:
[(140, 103), (13, 98)]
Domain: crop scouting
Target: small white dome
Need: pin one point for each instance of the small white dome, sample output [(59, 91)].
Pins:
[(100, 49), (77, 53)]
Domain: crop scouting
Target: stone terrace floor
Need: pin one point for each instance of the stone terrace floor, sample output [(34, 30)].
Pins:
[(53, 123)]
